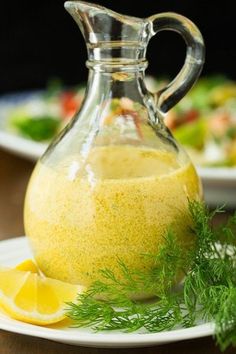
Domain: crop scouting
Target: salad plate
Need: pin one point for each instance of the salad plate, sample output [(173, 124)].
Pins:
[(15, 250), (219, 183)]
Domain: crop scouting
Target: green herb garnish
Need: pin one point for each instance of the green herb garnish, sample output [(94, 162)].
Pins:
[(208, 292)]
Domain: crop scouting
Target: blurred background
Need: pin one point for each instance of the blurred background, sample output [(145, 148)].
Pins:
[(39, 40)]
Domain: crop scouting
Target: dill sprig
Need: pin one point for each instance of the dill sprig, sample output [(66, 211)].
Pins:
[(208, 292)]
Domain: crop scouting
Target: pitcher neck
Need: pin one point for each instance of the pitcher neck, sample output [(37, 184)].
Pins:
[(117, 67), (116, 53), (116, 80)]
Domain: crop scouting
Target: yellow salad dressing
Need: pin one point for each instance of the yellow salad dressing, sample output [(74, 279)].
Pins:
[(119, 201)]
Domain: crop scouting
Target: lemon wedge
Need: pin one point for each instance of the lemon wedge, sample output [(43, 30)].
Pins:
[(28, 265), (31, 298)]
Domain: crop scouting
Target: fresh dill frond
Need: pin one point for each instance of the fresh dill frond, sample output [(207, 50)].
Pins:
[(210, 285), (208, 292)]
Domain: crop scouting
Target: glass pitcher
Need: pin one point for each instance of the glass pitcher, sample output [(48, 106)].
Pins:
[(115, 180)]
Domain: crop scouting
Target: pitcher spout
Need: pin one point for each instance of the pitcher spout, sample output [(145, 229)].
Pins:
[(105, 29)]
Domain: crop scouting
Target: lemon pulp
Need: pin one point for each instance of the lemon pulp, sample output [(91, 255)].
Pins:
[(28, 265)]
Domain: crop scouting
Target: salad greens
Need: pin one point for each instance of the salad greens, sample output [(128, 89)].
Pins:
[(210, 105), (192, 134), (208, 292), (43, 115), (37, 128)]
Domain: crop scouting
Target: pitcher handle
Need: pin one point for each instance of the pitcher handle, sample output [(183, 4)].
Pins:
[(167, 97)]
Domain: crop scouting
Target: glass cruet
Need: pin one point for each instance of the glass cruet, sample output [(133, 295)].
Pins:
[(114, 180)]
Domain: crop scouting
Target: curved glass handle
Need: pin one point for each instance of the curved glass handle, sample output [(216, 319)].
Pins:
[(171, 94)]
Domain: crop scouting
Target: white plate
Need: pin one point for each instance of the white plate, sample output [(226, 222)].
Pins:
[(16, 250), (219, 183)]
